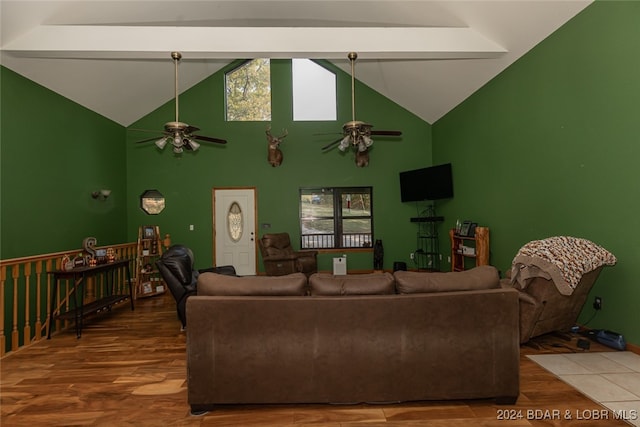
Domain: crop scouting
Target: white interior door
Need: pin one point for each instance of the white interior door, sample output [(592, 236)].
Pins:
[(234, 229)]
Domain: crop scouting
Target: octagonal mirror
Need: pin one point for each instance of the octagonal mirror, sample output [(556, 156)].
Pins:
[(152, 202)]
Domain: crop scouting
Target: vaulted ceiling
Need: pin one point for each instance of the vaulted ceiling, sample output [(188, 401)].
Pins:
[(113, 57)]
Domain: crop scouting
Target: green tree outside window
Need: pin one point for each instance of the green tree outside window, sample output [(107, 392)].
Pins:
[(248, 91)]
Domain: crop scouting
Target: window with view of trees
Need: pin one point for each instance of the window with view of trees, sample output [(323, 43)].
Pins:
[(336, 217), (248, 91)]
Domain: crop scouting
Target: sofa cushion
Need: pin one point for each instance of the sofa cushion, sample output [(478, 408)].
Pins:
[(219, 284), (478, 278), (351, 284)]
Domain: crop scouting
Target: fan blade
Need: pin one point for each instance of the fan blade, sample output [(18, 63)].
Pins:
[(386, 132), (146, 130), (155, 138), (209, 139), (190, 129), (331, 145)]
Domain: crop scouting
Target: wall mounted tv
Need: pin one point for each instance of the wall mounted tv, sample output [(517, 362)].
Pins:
[(432, 183)]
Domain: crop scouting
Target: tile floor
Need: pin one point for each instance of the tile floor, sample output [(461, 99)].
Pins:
[(610, 378)]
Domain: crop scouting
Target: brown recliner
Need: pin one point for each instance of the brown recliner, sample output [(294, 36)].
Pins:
[(543, 309), (554, 277), (279, 257)]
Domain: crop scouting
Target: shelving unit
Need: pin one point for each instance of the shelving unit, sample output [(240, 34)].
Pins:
[(472, 251), (427, 255), (148, 279)]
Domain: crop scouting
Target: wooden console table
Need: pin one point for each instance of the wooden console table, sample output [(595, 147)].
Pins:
[(78, 277)]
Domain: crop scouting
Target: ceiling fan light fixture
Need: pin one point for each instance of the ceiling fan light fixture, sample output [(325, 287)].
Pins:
[(366, 139), (180, 134), (162, 142), (345, 143), (192, 144)]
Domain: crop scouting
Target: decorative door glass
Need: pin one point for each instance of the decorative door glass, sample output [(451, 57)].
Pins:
[(235, 222)]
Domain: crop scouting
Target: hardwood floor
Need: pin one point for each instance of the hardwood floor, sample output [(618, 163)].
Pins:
[(128, 369)]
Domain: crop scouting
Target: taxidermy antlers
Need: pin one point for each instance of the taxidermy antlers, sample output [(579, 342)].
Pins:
[(274, 154)]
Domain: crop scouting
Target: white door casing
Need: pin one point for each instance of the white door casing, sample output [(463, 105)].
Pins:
[(234, 229)]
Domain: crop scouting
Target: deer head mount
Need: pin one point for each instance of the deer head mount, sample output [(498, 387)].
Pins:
[(274, 154), (362, 158)]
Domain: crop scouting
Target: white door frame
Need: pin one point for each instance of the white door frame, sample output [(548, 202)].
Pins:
[(254, 237)]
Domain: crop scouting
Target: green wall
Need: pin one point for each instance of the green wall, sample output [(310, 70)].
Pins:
[(53, 154), (187, 180), (551, 147)]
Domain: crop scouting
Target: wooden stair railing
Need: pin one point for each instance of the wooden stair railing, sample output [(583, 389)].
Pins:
[(25, 289)]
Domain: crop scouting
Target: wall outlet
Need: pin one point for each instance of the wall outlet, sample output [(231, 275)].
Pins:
[(411, 255), (597, 303)]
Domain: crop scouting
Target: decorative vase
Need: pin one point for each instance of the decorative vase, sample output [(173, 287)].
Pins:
[(378, 255)]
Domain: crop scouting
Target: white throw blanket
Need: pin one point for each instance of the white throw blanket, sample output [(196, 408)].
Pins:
[(561, 259)]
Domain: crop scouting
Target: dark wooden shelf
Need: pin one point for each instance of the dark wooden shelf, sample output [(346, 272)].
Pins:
[(427, 219), (94, 307)]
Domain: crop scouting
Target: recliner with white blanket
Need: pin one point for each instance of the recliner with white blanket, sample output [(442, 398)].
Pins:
[(554, 277)]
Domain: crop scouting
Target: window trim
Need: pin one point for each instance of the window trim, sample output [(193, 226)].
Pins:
[(338, 219)]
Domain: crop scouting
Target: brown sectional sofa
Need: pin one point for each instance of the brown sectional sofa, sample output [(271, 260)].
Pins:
[(375, 338)]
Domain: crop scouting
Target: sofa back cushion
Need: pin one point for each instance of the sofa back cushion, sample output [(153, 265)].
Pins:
[(219, 284), (352, 284), (478, 278)]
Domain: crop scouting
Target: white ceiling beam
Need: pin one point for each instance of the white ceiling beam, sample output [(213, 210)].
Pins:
[(142, 42)]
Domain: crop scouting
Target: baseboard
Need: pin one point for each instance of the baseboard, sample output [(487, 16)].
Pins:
[(633, 348)]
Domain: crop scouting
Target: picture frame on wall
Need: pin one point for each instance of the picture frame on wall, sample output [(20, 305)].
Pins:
[(149, 232), (465, 228)]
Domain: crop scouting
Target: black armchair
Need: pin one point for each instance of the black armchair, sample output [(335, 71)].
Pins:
[(176, 268)]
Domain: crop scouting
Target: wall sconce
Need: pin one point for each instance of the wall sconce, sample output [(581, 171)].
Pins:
[(101, 194)]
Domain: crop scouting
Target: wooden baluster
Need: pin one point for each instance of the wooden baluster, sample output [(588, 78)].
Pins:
[(15, 340), (38, 325), (27, 304), (3, 279), (49, 265)]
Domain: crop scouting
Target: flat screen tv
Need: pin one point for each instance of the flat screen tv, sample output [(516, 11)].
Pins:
[(432, 183)]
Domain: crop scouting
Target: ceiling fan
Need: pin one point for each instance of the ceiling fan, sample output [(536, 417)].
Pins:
[(179, 134), (356, 133)]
